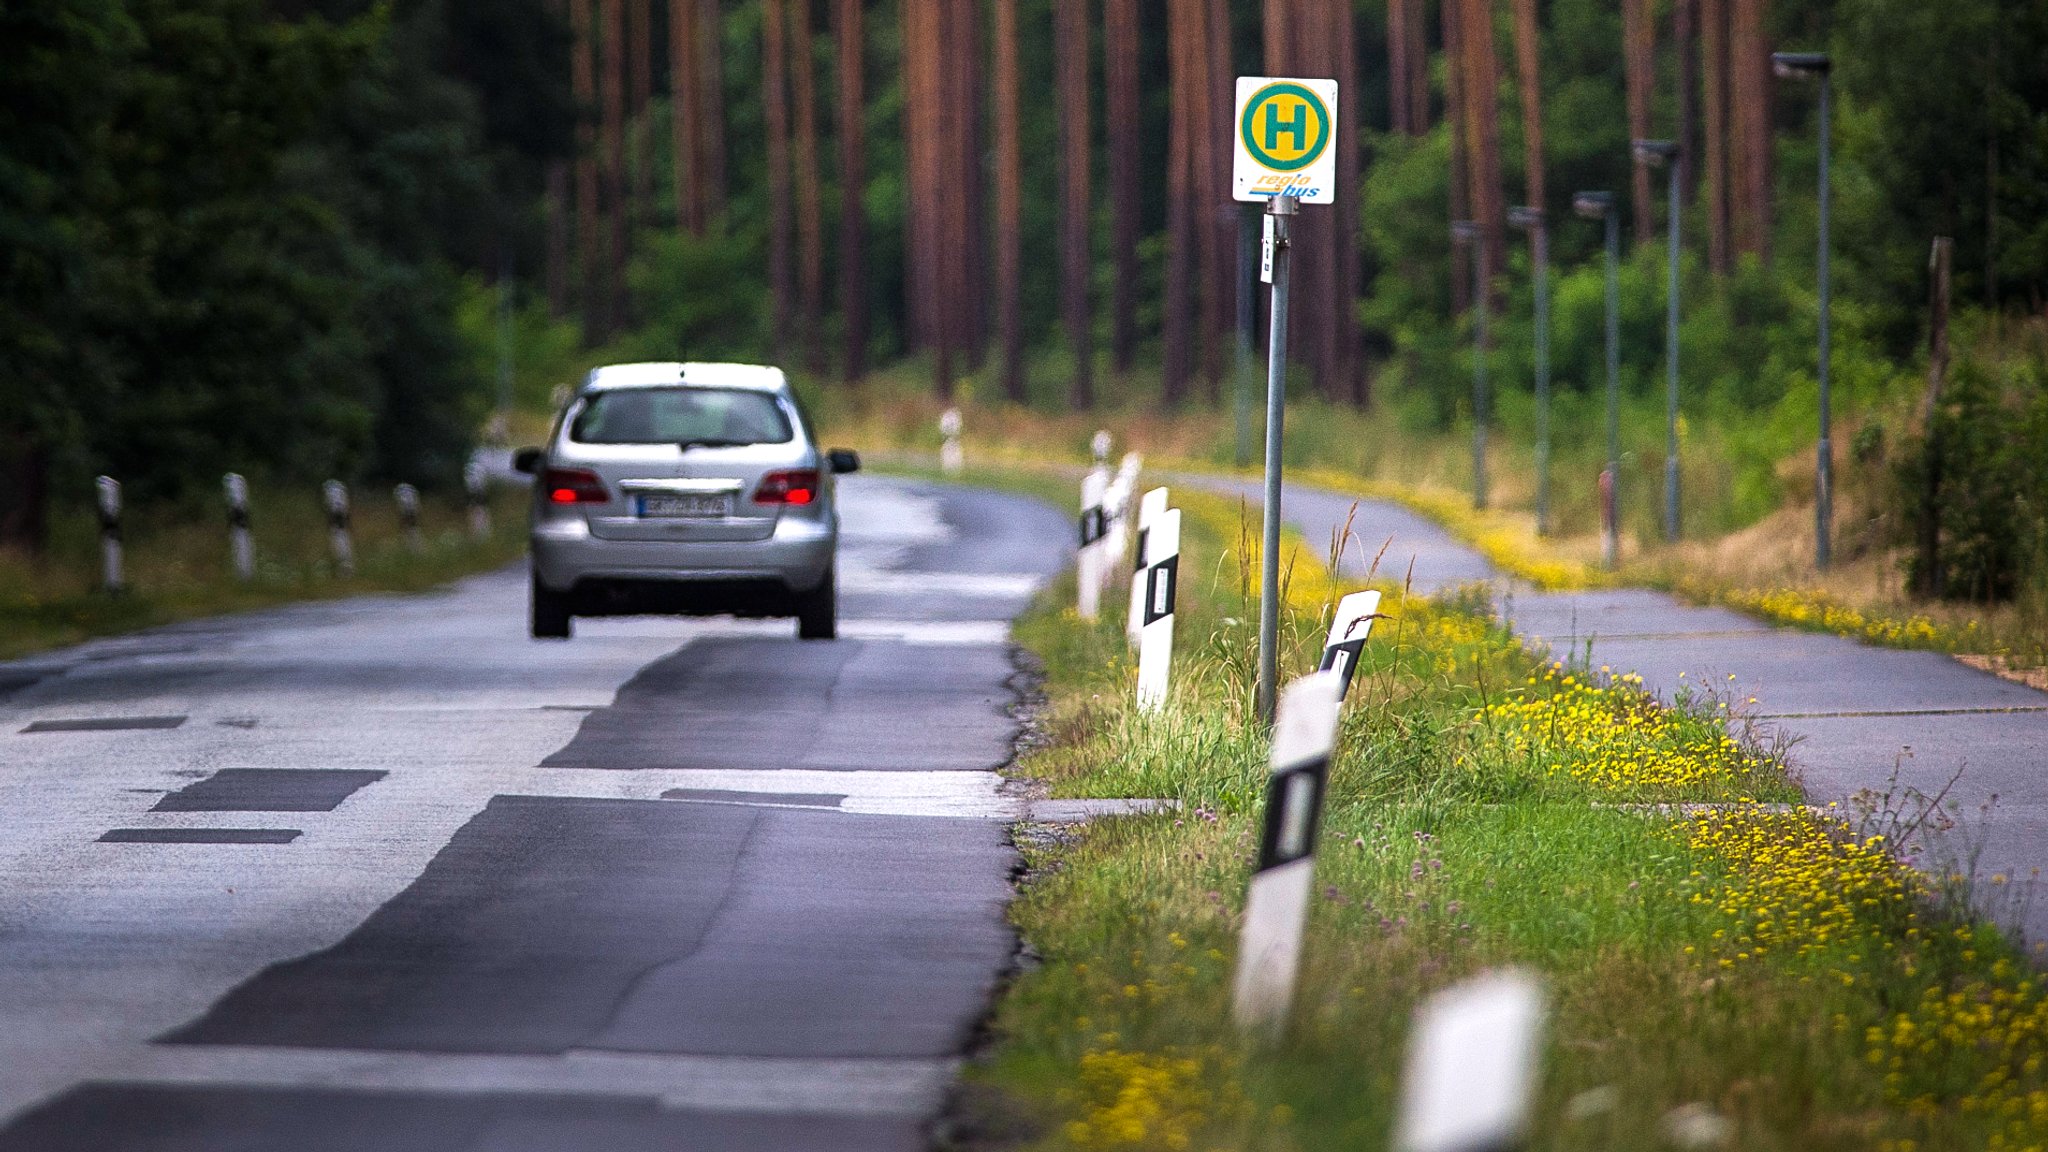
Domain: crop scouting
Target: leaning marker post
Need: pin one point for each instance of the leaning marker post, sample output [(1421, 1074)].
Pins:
[(334, 494), (950, 456), (1155, 636), (1151, 507), (107, 490), (1283, 156), (1094, 522), (241, 549), (1269, 947), (1472, 1063), (1348, 632)]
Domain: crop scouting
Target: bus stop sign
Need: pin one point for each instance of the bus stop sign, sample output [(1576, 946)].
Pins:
[(1286, 137)]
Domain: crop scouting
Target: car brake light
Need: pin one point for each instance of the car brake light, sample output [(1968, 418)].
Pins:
[(574, 486), (799, 486)]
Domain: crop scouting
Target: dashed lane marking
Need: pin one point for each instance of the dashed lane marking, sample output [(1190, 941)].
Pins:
[(792, 1085)]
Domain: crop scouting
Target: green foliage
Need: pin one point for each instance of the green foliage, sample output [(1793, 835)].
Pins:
[(1983, 455)]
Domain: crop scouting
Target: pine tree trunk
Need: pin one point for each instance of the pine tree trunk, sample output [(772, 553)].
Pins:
[(1220, 214), (1180, 240), (853, 301), (683, 113), (1070, 60), (1120, 46), (1205, 188), (1750, 143), (640, 77), (1398, 120), (1714, 105), (590, 260), (1482, 136), (1528, 46), (1418, 66), (1454, 115), (1685, 45), (1009, 254), (1350, 270), (612, 91), (775, 122), (810, 209), (711, 104), (558, 238), (969, 214), (1639, 61)]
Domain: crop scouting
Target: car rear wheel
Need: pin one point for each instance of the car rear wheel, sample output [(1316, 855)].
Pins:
[(549, 615), (817, 611)]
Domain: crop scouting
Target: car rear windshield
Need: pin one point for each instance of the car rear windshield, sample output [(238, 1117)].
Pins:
[(680, 415)]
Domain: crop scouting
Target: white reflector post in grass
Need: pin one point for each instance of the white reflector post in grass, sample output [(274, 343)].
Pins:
[(951, 458), (1472, 1065), (1155, 632), (474, 481), (1088, 577), (1150, 508), (1348, 632), (407, 498), (241, 549), (107, 494), (334, 495), (1276, 908)]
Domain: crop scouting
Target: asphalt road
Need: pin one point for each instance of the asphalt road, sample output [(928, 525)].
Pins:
[(1859, 718), (386, 874)]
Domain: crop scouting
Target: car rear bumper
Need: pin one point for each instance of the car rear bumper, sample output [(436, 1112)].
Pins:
[(567, 557)]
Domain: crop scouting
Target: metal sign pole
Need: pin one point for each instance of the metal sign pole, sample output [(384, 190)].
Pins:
[(1280, 213)]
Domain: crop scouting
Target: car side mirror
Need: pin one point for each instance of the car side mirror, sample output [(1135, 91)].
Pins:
[(843, 460), (527, 460)]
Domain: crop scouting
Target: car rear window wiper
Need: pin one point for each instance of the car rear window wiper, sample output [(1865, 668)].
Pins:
[(712, 442)]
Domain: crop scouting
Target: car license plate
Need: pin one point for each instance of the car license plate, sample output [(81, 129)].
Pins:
[(685, 505)]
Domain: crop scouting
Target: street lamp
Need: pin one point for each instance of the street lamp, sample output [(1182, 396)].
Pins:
[(1600, 206), (1664, 154), (1531, 220), (1803, 65), (1468, 233)]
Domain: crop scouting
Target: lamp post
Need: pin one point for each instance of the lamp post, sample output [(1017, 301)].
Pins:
[(1468, 233), (1600, 206), (1664, 154), (1804, 65), (1531, 220)]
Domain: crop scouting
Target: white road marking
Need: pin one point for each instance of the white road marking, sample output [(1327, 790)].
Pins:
[(1005, 584), (835, 1087), (974, 795), (947, 632)]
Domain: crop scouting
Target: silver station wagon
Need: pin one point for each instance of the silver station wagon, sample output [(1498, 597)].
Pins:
[(684, 489)]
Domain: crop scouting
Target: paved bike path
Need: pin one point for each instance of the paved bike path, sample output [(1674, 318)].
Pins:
[(1858, 713)]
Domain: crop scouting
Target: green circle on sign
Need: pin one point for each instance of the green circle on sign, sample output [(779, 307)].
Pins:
[(1292, 113)]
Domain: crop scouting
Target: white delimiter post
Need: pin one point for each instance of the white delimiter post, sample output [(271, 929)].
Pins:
[(1088, 575), (1155, 633), (1276, 908), (474, 481), (1348, 633), (1472, 1063), (1150, 508), (950, 456), (241, 549), (334, 494), (407, 498), (108, 491)]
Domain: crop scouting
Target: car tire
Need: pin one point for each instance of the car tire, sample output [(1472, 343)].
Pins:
[(549, 614), (817, 611)]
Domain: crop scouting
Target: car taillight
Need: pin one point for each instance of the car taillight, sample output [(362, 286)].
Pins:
[(799, 486), (574, 486)]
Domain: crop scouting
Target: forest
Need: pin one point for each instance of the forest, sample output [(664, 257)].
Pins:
[(281, 236)]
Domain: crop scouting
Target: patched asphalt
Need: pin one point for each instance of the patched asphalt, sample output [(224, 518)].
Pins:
[(403, 878)]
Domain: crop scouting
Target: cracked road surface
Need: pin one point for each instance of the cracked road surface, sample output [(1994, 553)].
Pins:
[(384, 873)]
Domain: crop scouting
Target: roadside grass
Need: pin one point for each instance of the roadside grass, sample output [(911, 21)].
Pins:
[(178, 567), (1746, 973), (1749, 539)]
